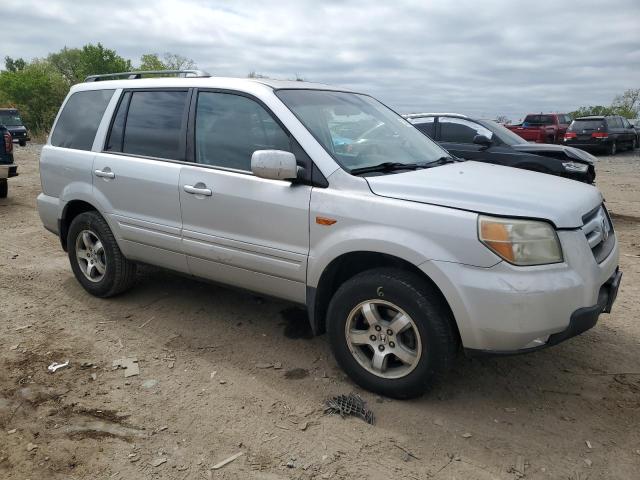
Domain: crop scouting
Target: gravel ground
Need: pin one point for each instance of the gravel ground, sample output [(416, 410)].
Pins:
[(209, 387)]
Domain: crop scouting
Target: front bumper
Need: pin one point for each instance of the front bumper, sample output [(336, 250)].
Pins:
[(8, 171), (507, 309), (581, 320)]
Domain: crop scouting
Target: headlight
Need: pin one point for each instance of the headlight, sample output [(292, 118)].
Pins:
[(575, 167), (521, 242)]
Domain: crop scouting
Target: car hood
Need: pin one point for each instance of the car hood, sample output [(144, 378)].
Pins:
[(494, 190), (542, 148)]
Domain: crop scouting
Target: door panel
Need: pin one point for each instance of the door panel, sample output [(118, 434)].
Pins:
[(142, 203), (250, 232)]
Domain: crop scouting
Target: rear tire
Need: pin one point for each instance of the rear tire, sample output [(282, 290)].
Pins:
[(96, 259), (613, 148), (4, 188), (417, 351)]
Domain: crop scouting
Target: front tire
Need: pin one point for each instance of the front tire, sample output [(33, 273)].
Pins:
[(96, 259), (4, 188), (391, 332), (22, 143)]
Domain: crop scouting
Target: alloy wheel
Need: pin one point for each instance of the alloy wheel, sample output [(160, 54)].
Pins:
[(91, 255), (383, 339)]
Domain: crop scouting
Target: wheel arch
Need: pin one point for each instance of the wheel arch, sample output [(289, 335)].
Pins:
[(349, 264), (70, 211)]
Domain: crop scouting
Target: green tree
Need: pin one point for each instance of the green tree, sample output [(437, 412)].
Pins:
[(75, 64), (169, 61), (37, 90), (628, 104), (13, 65)]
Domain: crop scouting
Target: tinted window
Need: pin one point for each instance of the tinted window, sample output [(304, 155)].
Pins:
[(425, 125), (579, 125), (538, 120), (10, 118), (229, 128), (459, 130), (114, 143), (80, 118), (155, 124), (564, 119)]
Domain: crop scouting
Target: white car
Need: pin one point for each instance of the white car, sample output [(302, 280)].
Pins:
[(401, 253)]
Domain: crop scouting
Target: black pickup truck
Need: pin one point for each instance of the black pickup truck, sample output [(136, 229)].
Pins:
[(10, 118), (7, 167)]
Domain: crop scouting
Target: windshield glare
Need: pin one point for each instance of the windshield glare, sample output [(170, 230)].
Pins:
[(10, 119), (358, 131)]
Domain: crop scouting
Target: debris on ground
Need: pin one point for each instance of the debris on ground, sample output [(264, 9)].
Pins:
[(57, 366), (351, 404), (277, 366), (12, 431), (156, 462), (217, 466), (588, 462), (129, 364), (510, 410), (263, 365), (588, 444), (467, 435), (31, 447), (149, 383)]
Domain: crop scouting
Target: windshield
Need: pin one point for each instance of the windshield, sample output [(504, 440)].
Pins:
[(358, 131), (538, 120), (10, 119), (505, 135)]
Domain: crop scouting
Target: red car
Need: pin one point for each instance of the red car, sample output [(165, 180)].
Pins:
[(542, 127)]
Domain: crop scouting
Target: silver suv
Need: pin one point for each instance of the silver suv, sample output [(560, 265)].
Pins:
[(326, 198)]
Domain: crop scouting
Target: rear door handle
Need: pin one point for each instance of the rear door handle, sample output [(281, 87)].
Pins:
[(106, 173), (199, 189)]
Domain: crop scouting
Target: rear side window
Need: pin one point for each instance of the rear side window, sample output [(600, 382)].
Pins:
[(150, 124), (229, 128), (156, 124), (78, 123)]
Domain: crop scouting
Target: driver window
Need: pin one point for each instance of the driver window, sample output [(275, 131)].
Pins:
[(460, 130)]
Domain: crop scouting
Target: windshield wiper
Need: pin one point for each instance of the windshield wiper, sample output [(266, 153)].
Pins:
[(386, 167), (443, 161)]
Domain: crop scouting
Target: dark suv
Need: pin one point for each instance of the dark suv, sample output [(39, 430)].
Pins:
[(7, 168), (10, 118), (603, 133)]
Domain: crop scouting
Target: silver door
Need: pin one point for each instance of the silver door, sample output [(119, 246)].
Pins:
[(237, 228), (139, 191)]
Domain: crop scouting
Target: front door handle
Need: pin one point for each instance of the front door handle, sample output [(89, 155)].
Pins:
[(198, 189), (105, 173)]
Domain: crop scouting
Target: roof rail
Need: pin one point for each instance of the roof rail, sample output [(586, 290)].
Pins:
[(136, 75)]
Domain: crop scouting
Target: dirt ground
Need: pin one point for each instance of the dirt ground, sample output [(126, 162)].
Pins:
[(207, 387)]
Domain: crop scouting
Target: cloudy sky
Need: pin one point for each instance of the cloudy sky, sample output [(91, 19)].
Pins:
[(482, 58)]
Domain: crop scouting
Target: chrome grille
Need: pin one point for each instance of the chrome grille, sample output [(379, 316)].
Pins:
[(598, 230)]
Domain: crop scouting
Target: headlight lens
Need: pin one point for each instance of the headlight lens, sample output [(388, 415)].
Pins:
[(575, 167), (521, 242)]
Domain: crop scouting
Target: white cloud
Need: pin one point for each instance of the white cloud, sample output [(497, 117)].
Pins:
[(498, 57)]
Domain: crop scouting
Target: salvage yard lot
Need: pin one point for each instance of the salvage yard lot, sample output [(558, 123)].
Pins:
[(207, 387)]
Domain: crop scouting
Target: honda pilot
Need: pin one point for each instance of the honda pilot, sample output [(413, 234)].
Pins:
[(402, 254)]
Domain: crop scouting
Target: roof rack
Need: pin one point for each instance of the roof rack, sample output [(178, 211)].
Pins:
[(136, 75)]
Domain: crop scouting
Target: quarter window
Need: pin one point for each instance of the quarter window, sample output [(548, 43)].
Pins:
[(79, 121), (229, 128), (460, 130), (155, 125)]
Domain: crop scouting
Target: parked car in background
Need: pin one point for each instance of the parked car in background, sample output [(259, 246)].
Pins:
[(490, 142), (635, 127), (399, 252), (7, 168), (10, 118), (542, 127), (608, 134)]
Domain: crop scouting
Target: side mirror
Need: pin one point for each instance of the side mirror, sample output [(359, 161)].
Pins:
[(482, 140), (274, 165)]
